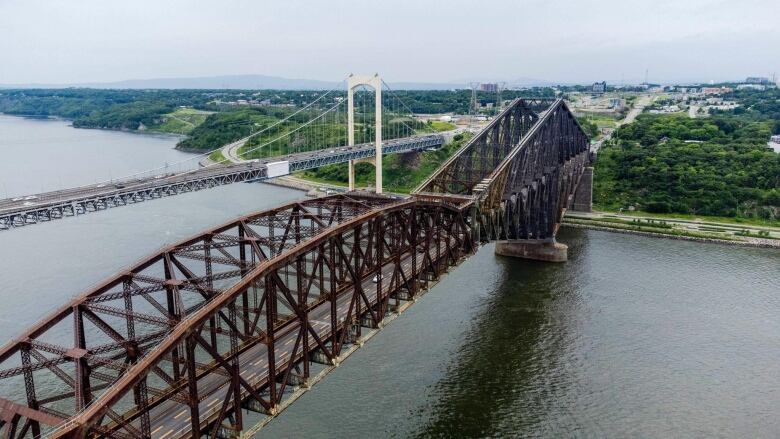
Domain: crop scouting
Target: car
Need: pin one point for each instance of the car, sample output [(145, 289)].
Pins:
[(17, 199), (377, 278), (119, 186), (101, 185), (28, 203), (31, 197)]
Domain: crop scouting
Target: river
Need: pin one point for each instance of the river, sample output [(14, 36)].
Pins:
[(633, 337)]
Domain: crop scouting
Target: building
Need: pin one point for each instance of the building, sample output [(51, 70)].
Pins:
[(599, 87), (489, 87), (757, 80), (759, 87), (716, 90), (616, 103), (775, 138)]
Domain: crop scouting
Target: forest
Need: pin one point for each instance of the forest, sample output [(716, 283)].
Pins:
[(718, 166)]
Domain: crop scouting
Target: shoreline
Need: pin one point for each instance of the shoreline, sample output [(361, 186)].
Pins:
[(765, 243), (118, 130)]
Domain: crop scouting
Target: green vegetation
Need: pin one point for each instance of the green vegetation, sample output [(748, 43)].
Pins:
[(221, 128), (401, 172), (180, 121), (591, 129), (647, 228), (217, 156), (110, 109), (236, 113), (718, 166), (439, 126)]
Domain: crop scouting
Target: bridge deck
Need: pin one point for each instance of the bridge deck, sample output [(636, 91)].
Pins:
[(171, 420), (47, 206)]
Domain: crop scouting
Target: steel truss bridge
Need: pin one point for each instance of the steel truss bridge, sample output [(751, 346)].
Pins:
[(196, 339), (60, 204)]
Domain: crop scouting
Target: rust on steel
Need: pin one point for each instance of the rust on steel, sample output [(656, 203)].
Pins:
[(185, 341)]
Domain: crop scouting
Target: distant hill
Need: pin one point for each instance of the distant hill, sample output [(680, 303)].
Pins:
[(231, 82)]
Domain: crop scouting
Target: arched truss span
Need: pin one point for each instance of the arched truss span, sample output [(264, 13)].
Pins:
[(229, 318)]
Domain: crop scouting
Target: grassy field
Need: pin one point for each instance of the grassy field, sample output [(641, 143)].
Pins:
[(181, 121), (439, 126), (217, 156), (695, 218)]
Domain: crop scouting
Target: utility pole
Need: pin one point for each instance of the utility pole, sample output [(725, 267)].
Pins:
[(500, 102), (474, 104)]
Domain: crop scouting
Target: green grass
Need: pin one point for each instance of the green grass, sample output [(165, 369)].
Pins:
[(439, 126), (181, 121), (696, 218), (648, 228), (217, 156)]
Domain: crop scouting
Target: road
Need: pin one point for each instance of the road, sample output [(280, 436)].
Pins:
[(171, 420), (299, 161), (639, 107)]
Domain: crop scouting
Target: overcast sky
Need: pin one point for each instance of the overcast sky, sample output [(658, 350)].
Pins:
[(417, 40)]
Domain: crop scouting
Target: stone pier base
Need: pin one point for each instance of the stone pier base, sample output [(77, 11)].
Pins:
[(539, 250)]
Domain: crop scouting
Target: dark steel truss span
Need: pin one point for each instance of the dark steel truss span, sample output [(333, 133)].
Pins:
[(230, 318), (521, 171), (78, 201)]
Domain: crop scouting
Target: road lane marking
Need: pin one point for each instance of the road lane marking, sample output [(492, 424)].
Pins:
[(180, 414), (167, 434)]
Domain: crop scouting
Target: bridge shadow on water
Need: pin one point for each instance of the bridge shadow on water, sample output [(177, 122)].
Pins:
[(514, 365)]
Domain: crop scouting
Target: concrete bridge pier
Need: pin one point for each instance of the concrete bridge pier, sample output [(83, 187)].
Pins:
[(583, 196), (537, 249)]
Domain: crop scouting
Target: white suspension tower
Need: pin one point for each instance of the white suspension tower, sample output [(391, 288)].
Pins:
[(374, 82)]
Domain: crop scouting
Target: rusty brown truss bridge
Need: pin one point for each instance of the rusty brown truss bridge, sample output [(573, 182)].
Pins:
[(194, 339)]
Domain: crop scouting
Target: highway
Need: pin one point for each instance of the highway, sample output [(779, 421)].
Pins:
[(171, 420), (34, 208)]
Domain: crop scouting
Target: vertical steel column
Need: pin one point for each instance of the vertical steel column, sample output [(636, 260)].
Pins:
[(192, 387)]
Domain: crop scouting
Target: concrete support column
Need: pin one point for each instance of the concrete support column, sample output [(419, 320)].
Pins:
[(376, 83), (351, 131), (537, 249), (378, 133), (583, 196)]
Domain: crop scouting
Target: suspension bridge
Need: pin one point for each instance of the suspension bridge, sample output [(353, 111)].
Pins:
[(215, 335), (350, 126)]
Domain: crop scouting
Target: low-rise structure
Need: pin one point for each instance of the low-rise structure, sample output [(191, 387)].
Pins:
[(599, 87), (757, 80), (716, 90), (759, 87)]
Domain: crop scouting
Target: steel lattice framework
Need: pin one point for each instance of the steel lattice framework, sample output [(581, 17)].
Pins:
[(188, 339), (521, 171), (269, 292)]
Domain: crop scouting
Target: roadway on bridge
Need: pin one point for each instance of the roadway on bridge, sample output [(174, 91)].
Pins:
[(304, 160), (171, 420)]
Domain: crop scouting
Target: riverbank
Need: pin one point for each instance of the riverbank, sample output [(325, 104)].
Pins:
[(721, 233)]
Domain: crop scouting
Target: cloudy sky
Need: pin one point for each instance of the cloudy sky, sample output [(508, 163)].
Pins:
[(415, 40)]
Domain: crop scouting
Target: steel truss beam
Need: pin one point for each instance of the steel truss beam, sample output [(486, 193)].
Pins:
[(171, 334)]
